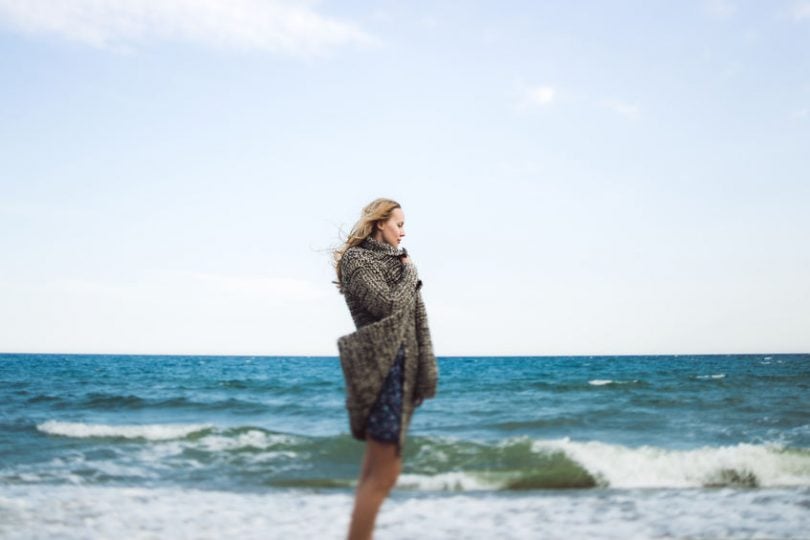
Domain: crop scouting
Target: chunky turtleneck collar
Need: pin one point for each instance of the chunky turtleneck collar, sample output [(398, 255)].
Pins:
[(383, 247)]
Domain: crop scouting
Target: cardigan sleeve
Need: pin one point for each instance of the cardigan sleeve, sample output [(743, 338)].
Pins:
[(368, 285), (427, 374)]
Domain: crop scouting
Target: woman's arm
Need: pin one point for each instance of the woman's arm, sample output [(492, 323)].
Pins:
[(367, 283), (427, 374)]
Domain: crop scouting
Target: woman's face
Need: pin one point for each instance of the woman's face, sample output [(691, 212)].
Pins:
[(393, 230)]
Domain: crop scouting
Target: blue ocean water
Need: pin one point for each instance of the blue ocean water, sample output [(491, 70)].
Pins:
[(636, 446)]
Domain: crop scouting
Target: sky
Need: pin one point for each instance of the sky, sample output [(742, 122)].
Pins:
[(577, 178)]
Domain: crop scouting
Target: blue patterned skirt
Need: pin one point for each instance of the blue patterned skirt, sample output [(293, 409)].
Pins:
[(386, 414)]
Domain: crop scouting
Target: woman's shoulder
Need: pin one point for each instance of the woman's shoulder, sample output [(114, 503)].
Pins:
[(353, 251), (352, 254), (353, 257)]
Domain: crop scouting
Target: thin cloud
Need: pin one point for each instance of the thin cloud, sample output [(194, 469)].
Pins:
[(531, 97), (429, 21), (277, 26), (719, 8), (801, 11), (627, 110), (541, 95)]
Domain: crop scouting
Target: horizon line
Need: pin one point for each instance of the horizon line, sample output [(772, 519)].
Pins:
[(5, 353)]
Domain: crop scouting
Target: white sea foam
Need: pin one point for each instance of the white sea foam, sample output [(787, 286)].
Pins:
[(152, 432), (276, 460), (71, 512), (449, 481), (712, 376), (602, 382), (252, 438), (617, 466), (613, 465), (647, 466)]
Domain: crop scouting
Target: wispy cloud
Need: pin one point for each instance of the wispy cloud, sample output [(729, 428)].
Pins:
[(719, 8), (535, 96), (278, 26), (541, 95), (538, 97), (428, 21), (801, 11), (623, 108)]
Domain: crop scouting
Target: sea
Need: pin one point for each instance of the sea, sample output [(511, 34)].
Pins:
[(249, 447)]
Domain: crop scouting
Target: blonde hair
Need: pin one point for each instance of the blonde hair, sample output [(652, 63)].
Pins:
[(378, 210)]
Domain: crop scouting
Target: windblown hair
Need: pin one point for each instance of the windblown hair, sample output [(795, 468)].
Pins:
[(378, 210)]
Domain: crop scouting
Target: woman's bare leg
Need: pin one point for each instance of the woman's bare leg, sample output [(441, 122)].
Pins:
[(378, 475)]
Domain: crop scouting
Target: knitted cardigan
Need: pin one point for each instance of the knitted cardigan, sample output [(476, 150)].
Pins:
[(384, 298)]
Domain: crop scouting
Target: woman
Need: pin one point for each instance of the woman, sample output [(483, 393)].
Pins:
[(388, 362)]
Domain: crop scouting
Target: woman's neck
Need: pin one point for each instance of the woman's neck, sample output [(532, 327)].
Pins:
[(382, 245)]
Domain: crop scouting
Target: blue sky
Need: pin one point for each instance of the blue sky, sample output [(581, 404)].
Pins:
[(577, 178)]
